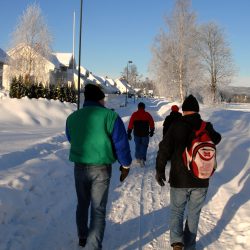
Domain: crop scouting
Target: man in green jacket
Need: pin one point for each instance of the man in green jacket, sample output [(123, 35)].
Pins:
[(98, 138)]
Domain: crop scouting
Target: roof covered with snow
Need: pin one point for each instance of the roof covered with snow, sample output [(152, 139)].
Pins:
[(3, 56), (64, 58)]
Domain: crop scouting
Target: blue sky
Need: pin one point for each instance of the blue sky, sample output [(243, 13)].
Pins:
[(115, 31)]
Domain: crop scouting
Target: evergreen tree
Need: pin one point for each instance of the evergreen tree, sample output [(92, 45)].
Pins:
[(47, 92), (62, 96), (20, 88), (52, 90), (40, 90), (13, 87), (32, 91), (73, 94)]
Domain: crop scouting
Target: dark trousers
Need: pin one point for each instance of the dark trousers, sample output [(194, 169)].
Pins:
[(92, 185)]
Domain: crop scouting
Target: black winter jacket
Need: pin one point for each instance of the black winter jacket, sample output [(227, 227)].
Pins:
[(174, 116), (172, 147)]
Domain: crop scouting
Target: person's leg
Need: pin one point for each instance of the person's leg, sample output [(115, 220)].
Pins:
[(144, 147), (138, 154), (195, 203), (178, 200), (99, 197), (82, 186)]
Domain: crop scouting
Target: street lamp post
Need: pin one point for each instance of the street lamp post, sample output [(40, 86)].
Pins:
[(135, 85), (126, 99), (79, 59)]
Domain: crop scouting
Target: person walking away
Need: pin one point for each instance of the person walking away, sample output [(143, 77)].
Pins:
[(186, 191), (142, 124), (97, 139), (171, 118)]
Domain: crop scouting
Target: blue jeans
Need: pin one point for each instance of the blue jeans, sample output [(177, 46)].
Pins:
[(141, 147), (192, 199), (92, 185)]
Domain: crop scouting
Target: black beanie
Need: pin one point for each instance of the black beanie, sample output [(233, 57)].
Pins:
[(93, 93), (141, 105), (190, 104)]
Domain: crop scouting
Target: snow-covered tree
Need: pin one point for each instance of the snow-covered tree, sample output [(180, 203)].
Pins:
[(216, 58), (174, 62), (130, 73), (31, 45)]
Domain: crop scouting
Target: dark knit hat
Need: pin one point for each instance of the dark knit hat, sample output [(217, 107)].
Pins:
[(93, 93), (141, 105), (175, 108), (190, 104)]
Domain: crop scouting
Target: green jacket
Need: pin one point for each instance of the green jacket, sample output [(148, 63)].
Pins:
[(89, 130)]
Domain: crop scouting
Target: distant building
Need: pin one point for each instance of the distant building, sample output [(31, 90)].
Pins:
[(236, 94), (66, 72), (3, 61), (58, 67), (17, 65), (123, 86)]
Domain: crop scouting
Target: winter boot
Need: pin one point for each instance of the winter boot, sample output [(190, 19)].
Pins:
[(82, 242), (177, 246), (138, 161), (142, 163)]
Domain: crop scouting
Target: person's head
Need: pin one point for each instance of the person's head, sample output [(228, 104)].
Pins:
[(190, 105), (141, 105), (94, 93), (175, 108)]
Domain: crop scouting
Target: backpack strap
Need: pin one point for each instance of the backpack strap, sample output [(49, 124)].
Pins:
[(201, 129)]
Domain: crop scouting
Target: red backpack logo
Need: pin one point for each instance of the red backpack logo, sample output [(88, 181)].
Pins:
[(200, 157)]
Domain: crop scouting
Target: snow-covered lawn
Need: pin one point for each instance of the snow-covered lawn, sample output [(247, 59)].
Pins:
[(37, 195)]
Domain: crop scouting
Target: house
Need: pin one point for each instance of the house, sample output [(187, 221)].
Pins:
[(66, 72), (123, 86), (108, 85), (3, 61), (25, 60), (51, 69)]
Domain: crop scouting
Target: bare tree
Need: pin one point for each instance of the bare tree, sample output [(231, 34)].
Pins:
[(216, 57), (173, 55), (132, 73), (31, 44)]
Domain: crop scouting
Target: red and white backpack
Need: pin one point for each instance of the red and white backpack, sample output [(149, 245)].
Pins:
[(200, 156)]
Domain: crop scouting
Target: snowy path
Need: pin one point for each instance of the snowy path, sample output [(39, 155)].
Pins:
[(37, 195), (141, 197)]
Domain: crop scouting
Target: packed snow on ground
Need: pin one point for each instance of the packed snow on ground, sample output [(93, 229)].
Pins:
[(37, 195)]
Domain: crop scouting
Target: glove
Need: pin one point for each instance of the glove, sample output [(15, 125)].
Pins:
[(151, 133), (130, 137), (124, 173), (160, 178), (129, 131)]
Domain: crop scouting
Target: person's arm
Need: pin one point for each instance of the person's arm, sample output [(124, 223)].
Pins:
[(215, 136), (131, 122), (164, 154), (166, 147), (151, 122), (120, 142), (67, 133), (166, 124), (130, 126)]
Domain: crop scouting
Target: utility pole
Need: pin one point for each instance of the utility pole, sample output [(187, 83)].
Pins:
[(79, 61), (126, 99), (73, 51)]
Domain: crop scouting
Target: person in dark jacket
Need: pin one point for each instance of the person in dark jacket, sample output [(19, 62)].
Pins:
[(98, 138), (186, 191), (172, 117), (143, 125)]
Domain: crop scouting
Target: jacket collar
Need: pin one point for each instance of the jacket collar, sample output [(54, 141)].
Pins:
[(92, 103)]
